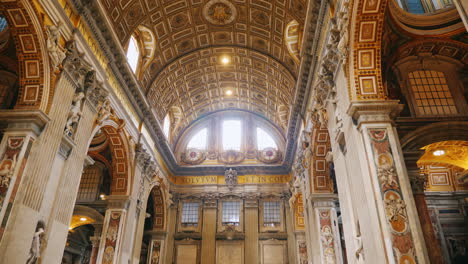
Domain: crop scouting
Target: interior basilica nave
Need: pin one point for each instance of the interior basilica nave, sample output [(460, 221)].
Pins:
[(233, 131)]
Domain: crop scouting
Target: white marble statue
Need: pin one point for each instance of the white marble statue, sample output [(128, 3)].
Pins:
[(75, 114), (35, 250), (56, 52)]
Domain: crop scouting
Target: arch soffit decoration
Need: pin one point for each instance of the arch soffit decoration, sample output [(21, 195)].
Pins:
[(118, 142), (34, 71), (368, 18), (159, 207), (435, 47), (319, 147), (437, 132), (185, 29)]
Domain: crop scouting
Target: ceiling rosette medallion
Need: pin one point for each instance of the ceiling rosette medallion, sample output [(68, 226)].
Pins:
[(219, 12), (231, 157), (193, 156), (269, 155)]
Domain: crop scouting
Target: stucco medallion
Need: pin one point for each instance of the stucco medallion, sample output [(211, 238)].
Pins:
[(219, 12)]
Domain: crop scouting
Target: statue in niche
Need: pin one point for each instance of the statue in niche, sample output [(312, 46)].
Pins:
[(56, 52), (75, 114), (359, 253), (7, 168), (35, 250)]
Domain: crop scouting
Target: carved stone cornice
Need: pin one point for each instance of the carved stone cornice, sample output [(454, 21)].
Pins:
[(75, 65), (374, 111), (118, 202), (24, 120), (145, 161)]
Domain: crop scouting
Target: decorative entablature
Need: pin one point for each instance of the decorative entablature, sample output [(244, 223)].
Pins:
[(221, 179)]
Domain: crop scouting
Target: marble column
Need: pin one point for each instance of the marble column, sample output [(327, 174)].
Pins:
[(418, 185), (251, 231), (110, 247), (392, 218), (208, 246)]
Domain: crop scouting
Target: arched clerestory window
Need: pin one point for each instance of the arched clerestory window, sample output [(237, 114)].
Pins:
[(133, 54)]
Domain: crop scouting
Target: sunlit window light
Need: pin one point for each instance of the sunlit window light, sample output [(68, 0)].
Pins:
[(166, 126), (133, 54), (198, 141), (264, 140), (232, 135)]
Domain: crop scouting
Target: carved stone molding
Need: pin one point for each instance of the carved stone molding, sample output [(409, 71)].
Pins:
[(118, 202), (374, 111), (24, 120)]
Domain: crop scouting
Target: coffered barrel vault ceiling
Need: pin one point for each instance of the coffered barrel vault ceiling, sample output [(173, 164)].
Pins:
[(192, 35)]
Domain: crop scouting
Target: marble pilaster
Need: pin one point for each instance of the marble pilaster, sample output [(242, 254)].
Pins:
[(113, 230), (208, 245), (251, 231), (386, 182)]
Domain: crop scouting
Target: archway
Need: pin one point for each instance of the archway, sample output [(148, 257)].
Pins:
[(437, 189), (154, 227)]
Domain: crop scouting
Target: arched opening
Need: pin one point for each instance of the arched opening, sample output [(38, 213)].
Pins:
[(104, 176), (435, 157), (154, 228)]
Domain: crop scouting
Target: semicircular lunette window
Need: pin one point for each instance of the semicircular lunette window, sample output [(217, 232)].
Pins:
[(199, 140), (267, 148), (232, 135), (264, 140)]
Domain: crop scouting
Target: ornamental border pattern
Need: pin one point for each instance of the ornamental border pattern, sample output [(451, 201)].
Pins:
[(394, 204)]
